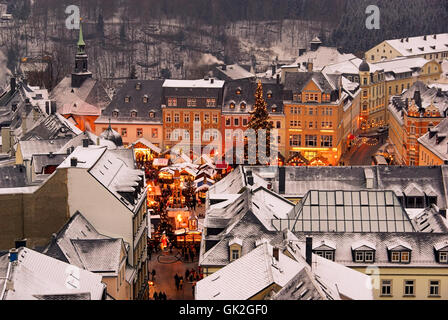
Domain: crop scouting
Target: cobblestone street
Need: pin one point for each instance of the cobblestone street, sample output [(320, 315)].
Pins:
[(167, 265)]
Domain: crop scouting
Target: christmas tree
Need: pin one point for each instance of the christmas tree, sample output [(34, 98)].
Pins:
[(259, 120)]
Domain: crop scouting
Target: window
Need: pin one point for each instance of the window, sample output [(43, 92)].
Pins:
[(155, 133), (395, 257), (238, 91), (197, 117), (279, 125), (228, 122), (124, 132), (134, 114), (269, 95), (295, 123), (359, 256), (145, 99), (115, 114), (295, 110), (176, 118), (172, 102), (139, 132), (386, 288), (434, 286), (191, 102), (211, 103), (127, 99), (232, 105), (443, 257), (326, 141), (168, 118), (243, 105), (215, 118), (244, 121), (206, 117), (186, 118), (236, 122), (409, 287), (152, 115), (311, 141), (295, 140), (405, 256), (364, 256), (235, 254), (327, 254)]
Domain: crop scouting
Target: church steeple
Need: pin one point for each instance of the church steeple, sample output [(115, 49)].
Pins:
[(81, 43), (81, 72)]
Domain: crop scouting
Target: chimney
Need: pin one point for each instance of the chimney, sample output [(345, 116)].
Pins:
[(435, 36), (13, 255), (212, 80), (20, 243), (278, 79), (224, 67), (424, 38), (281, 180), (69, 150), (276, 254), (274, 68), (250, 178), (309, 251), (85, 143), (310, 66), (13, 84), (418, 98), (407, 39), (74, 162)]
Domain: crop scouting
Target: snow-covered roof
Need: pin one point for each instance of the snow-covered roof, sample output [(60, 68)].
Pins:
[(322, 57), (35, 275), (201, 83), (234, 282), (149, 144), (420, 45), (439, 148), (34, 147), (399, 245)]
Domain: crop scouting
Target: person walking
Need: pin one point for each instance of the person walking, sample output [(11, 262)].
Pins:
[(181, 283), (155, 296), (176, 281), (153, 273), (187, 273), (192, 288)]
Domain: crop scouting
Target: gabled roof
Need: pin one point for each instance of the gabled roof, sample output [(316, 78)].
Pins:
[(414, 45), (233, 282), (399, 245), (146, 100), (36, 147), (36, 275)]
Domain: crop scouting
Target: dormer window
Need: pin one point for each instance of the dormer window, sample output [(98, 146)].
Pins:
[(399, 253), (152, 114), (138, 86), (269, 95), (133, 114), (115, 114), (238, 91), (232, 105), (441, 251), (325, 249), (243, 105), (235, 248), (145, 99), (363, 252), (127, 99)]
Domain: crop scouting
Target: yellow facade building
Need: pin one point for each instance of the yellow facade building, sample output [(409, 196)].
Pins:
[(427, 46), (434, 146)]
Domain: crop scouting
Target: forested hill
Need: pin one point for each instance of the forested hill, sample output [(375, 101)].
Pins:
[(398, 19)]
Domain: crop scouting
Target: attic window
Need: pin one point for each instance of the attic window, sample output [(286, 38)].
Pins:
[(243, 105), (138, 86), (133, 114), (269, 95), (238, 91), (145, 99), (443, 256), (400, 256), (232, 105), (364, 256), (152, 114), (115, 114), (327, 254), (127, 99)]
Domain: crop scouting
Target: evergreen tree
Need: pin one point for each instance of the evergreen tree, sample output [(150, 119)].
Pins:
[(259, 120)]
